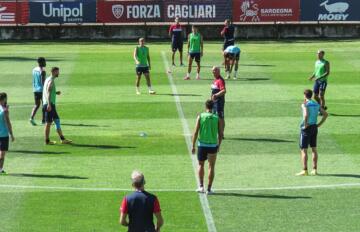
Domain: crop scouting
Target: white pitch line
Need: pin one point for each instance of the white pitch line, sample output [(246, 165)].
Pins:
[(187, 135), (94, 189)]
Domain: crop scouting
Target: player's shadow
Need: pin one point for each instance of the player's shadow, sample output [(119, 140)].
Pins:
[(180, 95), (48, 176), (341, 175), (261, 140), (345, 115), (40, 152), (253, 79), (101, 146), (81, 125), (264, 196), (22, 59), (258, 65)]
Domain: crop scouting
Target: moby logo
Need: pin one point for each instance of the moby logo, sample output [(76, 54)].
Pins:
[(336, 11), (66, 13)]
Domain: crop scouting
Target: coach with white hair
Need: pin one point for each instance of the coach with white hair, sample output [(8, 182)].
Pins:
[(140, 206)]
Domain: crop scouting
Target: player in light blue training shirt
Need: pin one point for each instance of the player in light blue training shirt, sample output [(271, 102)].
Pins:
[(39, 76), (232, 57)]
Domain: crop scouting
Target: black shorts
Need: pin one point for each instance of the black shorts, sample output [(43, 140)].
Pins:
[(196, 56), (204, 151), (218, 109), (228, 43), (38, 96), (319, 85), (4, 143), (142, 70), (52, 115), (308, 137), (233, 56), (177, 45)]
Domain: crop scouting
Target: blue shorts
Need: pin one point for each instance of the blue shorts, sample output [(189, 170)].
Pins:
[(38, 96), (196, 56), (204, 151), (319, 85), (233, 55), (142, 70), (308, 137), (52, 115), (4, 143), (177, 45), (218, 109)]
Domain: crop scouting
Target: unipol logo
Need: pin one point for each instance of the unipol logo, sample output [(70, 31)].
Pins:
[(68, 14), (6, 16), (118, 11), (250, 10), (336, 11)]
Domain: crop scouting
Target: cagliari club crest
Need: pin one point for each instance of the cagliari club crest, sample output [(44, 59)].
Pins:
[(118, 11)]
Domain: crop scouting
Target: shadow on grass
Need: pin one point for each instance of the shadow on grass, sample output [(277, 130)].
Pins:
[(344, 115), (101, 146), (180, 95), (341, 175), (258, 65), (48, 176), (266, 196), (261, 140), (40, 152), (22, 59), (81, 125)]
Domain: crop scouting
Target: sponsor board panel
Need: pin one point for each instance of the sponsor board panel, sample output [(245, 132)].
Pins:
[(198, 10), (79, 11), (14, 12), (266, 10), (130, 11), (330, 10)]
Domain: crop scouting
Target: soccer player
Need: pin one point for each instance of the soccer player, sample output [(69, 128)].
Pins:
[(218, 92), (175, 32), (49, 101), (232, 57), (195, 51), (208, 135), (309, 131), (321, 74), (228, 33), (5, 130), (139, 207), (39, 75), (143, 65)]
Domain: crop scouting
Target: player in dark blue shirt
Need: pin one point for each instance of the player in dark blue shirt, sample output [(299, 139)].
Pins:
[(175, 32), (140, 206), (228, 33)]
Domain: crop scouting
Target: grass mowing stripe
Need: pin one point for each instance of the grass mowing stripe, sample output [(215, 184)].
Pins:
[(203, 199)]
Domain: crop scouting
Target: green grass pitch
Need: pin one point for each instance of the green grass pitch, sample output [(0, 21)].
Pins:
[(79, 187)]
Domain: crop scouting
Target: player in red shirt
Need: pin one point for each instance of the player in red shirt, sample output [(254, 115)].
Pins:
[(218, 91), (175, 32)]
